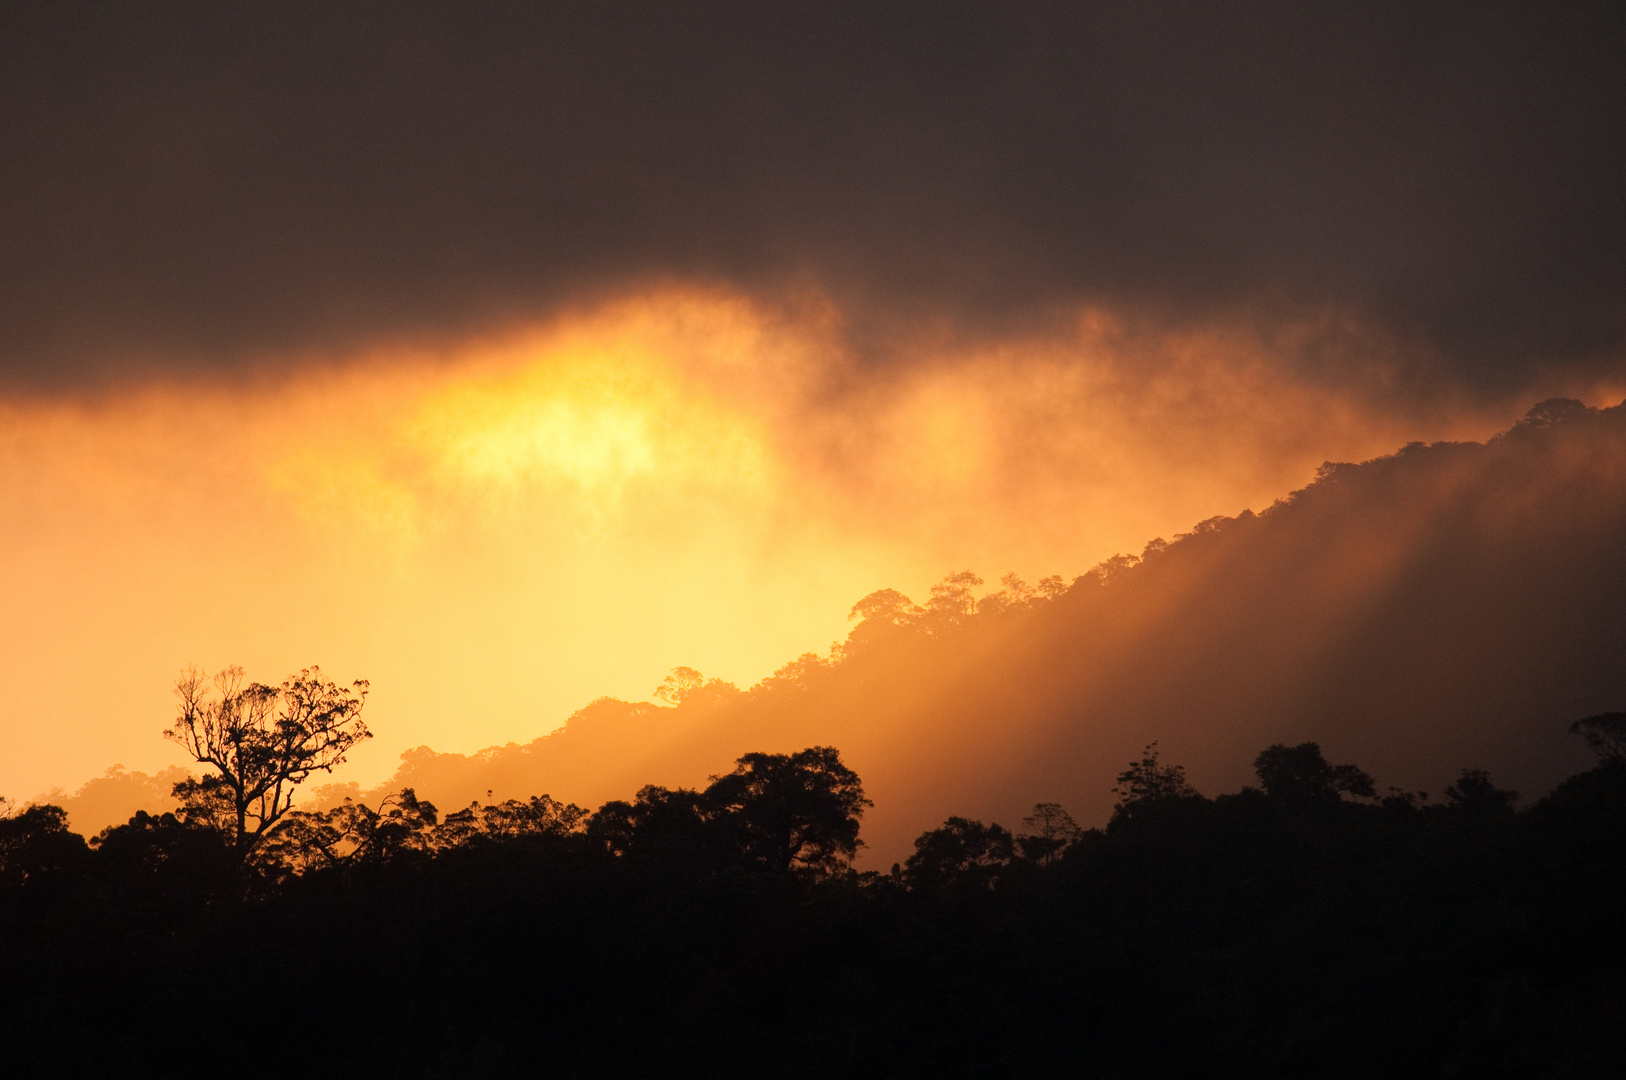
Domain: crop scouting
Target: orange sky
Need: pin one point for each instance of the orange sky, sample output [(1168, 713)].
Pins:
[(496, 533)]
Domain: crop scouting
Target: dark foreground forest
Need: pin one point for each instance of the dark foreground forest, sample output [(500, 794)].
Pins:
[(1309, 925)]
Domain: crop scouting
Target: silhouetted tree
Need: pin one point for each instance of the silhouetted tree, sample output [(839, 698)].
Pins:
[(960, 852), (262, 741), (678, 685), (802, 673), (206, 802), (787, 811), (686, 686), (541, 815), (1147, 782), (882, 615), (1050, 830), (35, 846), (1300, 776), (167, 855), (1019, 594), (1605, 734), (352, 833), (1552, 413), (1016, 594), (952, 602), (1475, 793), (667, 824)]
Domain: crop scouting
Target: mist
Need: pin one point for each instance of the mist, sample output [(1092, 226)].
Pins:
[(498, 533), (1447, 606), (825, 503), (510, 358)]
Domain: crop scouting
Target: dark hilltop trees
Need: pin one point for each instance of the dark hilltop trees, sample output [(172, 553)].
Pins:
[(777, 813), (1299, 776), (1300, 927)]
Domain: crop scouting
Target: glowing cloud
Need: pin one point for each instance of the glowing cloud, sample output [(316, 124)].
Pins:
[(498, 533)]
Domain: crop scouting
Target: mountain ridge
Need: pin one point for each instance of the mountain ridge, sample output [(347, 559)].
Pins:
[(1449, 604)]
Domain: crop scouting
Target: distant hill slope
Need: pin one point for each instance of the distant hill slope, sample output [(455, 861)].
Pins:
[(1448, 606)]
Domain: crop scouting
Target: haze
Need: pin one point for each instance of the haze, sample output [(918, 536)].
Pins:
[(510, 359)]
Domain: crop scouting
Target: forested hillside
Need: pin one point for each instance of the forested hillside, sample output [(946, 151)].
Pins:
[(1300, 927), (1451, 604)]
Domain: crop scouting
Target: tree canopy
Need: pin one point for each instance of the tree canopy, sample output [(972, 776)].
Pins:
[(1278, 932), (262, 741), (1300, 776)]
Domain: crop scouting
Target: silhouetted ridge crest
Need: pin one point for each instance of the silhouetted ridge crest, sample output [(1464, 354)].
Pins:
[(1448, 601)]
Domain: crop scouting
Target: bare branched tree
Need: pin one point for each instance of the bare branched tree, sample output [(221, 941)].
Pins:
[(262, 741), (1605, 734)]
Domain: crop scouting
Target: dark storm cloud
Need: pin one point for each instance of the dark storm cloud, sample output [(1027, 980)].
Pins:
[(204, 184)]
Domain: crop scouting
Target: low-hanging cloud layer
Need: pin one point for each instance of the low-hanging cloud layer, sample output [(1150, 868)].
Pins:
[(191, 186)]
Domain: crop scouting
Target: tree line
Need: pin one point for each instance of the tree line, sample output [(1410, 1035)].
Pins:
[(1306, 925)]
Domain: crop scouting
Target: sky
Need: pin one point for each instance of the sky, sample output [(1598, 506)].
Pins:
[(508, 356)]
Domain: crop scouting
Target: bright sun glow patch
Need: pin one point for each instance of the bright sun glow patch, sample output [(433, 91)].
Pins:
[(601, 419), (581, 420)]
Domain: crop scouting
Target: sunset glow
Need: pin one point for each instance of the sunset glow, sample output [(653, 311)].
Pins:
[(1005, 538), (499, 533)]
